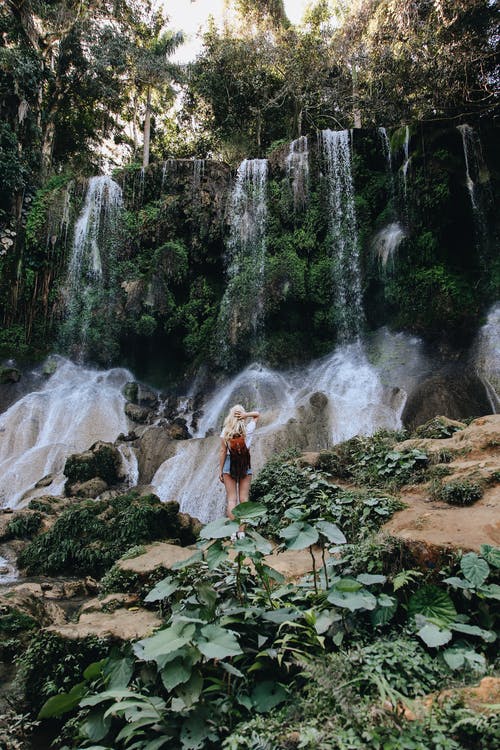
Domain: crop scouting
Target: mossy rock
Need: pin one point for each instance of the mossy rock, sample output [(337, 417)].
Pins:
[(103, 460), (439, 428), (91, 535)]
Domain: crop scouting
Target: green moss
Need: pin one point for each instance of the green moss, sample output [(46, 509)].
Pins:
[(14, 622), (23, 526), (103, 462), (89, 536)]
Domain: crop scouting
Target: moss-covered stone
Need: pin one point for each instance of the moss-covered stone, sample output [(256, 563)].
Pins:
[(90, 536), (103, 460)]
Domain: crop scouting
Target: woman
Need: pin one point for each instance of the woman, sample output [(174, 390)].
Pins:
[(236, 425)]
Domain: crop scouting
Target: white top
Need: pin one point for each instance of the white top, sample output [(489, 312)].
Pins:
[(250, 429)]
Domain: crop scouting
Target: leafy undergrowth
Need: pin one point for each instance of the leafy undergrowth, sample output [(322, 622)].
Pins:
[(89, 536), (287, 490), (247, 660)]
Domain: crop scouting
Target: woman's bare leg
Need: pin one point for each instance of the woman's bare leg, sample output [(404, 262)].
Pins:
[(245, 488), (231, 495)]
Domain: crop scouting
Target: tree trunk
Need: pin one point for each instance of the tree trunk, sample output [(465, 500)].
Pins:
[(356, 113), (48, 145), (147, 129)]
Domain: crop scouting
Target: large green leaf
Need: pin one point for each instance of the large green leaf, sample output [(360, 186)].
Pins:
[(491, 554), (218, 643), (163, 589), (62, 703), (331, 531), (299, 535), (194, 732), (385, 610), (368, 579), (262, 545), (474, 568), (352, 600), (490, 591), (159, 646), (118, 672), (348, 584), (458, 657), (219, 529), (433, 603), (95, 727), (175, 672), (266, 695), (461, 627), (190, 691), (94, 670), (248, 510), (434, 636), (215, 554)]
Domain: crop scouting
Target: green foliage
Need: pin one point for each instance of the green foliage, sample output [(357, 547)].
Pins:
[(437, 428), (117, 580), (89, 536), (103, 463), (458, 492), (285, 487), (50, 664), (14, 621), (23, 526)]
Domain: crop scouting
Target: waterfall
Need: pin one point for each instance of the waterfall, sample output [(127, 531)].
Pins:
[(476, 178), (88, 281), (355, 390), (386, 148), (386, 243), (166, 167), (297, 164), (74, 408), (243, 301), (198, 173), (406, 161), (344, 250), (486, 357)]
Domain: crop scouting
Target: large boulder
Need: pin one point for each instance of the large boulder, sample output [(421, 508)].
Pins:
[(153, 448), (455, 395), (102, 460)]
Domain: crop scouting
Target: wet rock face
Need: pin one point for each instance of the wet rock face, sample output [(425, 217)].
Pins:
[(138, 414), (453, 395), (153, 447)]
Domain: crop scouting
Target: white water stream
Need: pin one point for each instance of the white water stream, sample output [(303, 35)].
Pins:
[(297, 164), (76, 407), (355, 390), (343, 239)]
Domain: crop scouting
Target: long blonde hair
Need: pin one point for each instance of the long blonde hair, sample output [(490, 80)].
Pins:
[(233, 426)]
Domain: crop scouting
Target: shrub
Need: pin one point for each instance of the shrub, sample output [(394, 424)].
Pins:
[(51, 664), (88, 537), (458, 492), (437, 428), (23, 526)]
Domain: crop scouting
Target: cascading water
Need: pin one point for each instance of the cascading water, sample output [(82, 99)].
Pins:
[(243, 302), (486, 357), (89, 283), (297, 164), (344, 248), (75, 408), (476, 176), (386, 147), (406, 161), (311, 408), (386, 243)]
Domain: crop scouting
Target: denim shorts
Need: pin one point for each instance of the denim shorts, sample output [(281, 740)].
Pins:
[(225, 468)]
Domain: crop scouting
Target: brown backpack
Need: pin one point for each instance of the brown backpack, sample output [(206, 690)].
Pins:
[(239, 462)]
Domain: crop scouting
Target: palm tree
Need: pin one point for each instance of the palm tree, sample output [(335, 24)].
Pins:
[(152, 69)]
